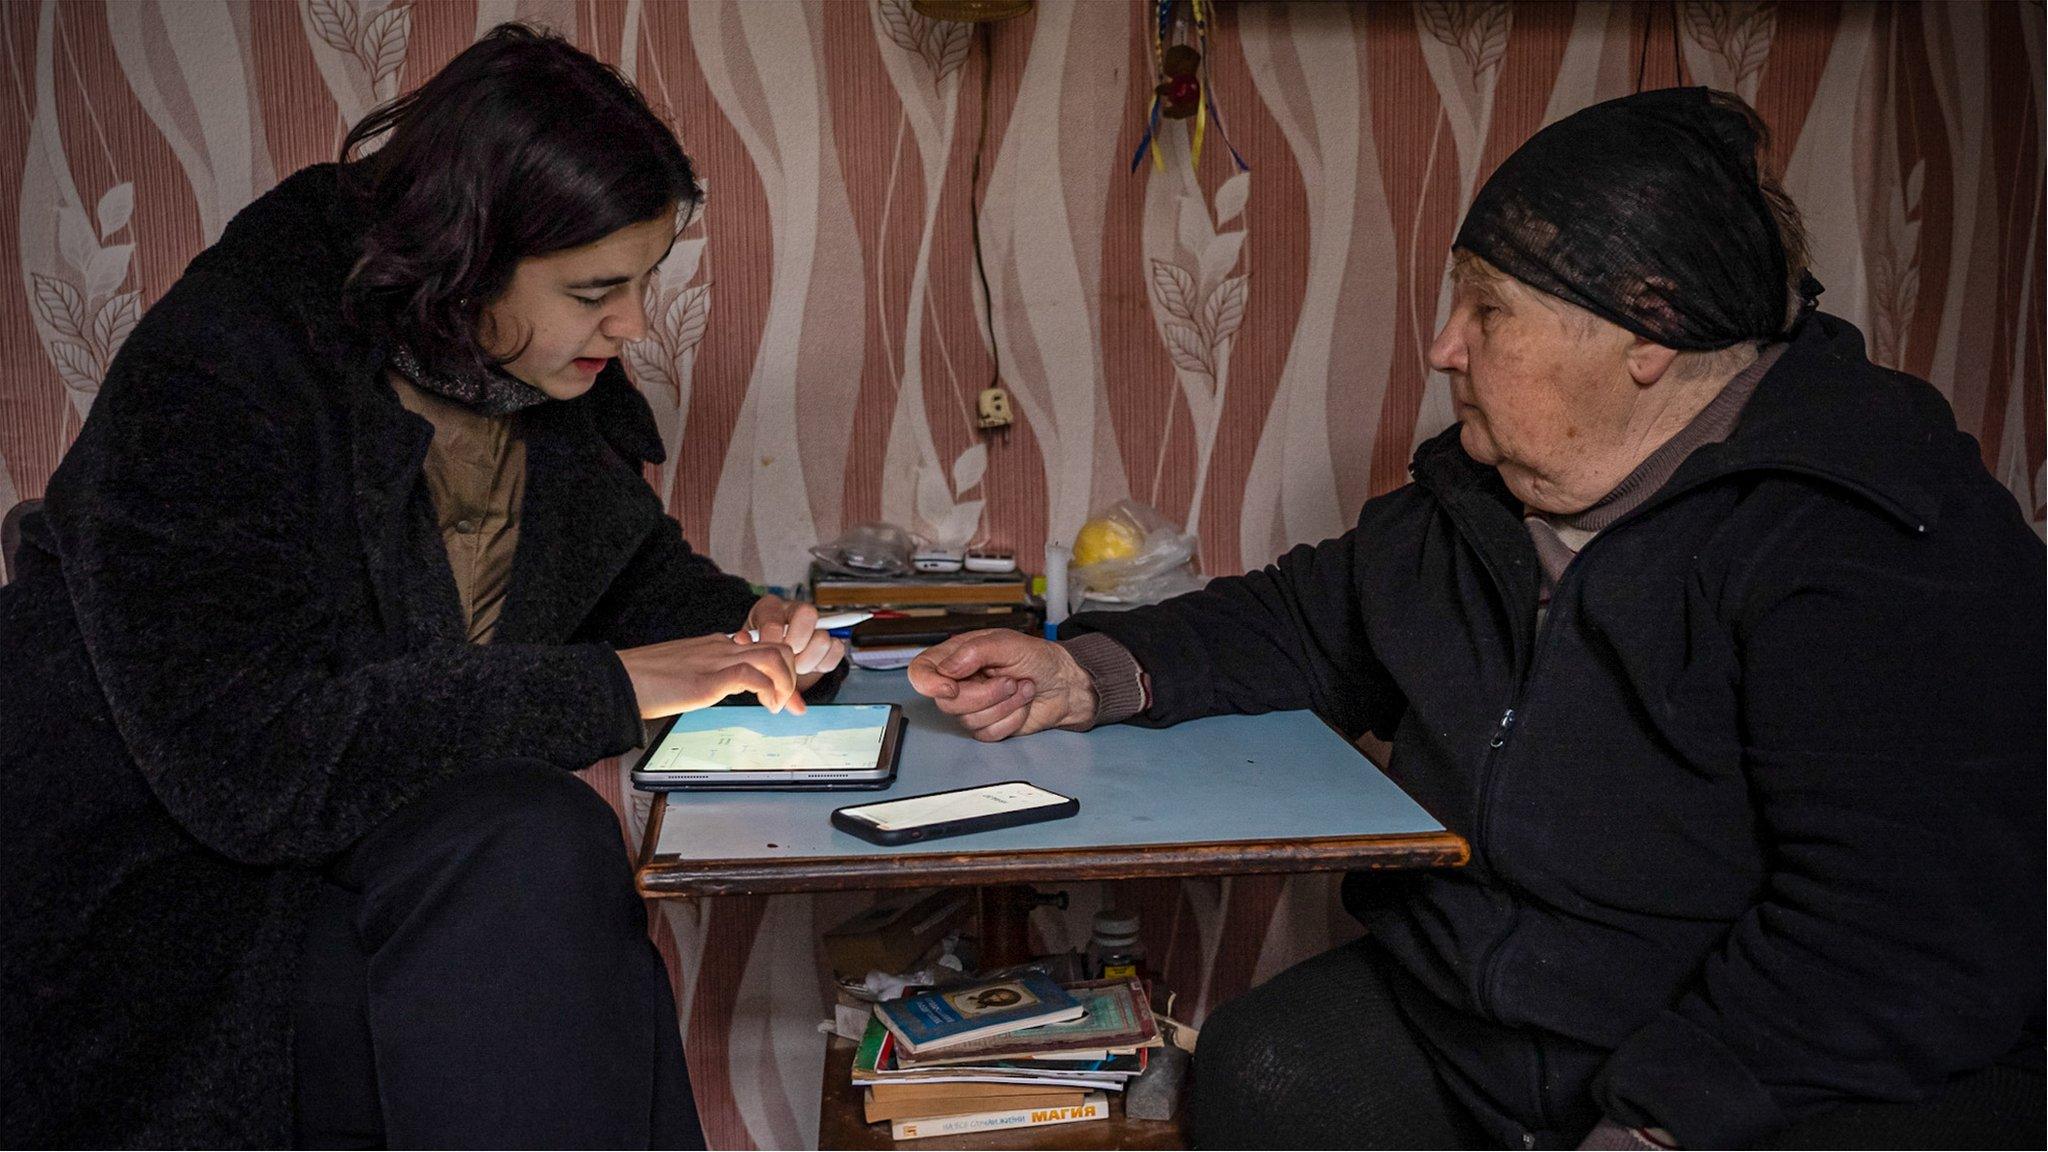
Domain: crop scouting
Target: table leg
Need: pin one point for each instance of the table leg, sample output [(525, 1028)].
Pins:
[(1005, 923)]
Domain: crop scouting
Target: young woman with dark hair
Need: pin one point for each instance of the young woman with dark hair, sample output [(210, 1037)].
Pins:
[(351, 565)]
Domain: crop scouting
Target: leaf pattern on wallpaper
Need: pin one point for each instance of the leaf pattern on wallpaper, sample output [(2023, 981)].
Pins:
[(1197, 305), (1042, 226), (92, 330), (941, 44), (1737, 34), (188, 64), (382, 48), (1830, 171), (95, 320), (916, 490), (943, 518), (376, 43), (781, 484), (335, 21), (1965, 105), (1895, 269), (1478, 29), (1309, 68), (360, 47), (1463, 51), (73, 280), (663, 365), (86, 307)]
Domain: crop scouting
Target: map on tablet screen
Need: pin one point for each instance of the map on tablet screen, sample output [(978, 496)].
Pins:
[(747, 739)]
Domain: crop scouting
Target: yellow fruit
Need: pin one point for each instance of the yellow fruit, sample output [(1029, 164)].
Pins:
[(1106, 539)]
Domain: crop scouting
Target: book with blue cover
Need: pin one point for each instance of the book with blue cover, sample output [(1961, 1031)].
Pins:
[(1116, 1018), (937, 1020)]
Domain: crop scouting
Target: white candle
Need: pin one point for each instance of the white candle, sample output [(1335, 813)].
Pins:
[(1056, 558)]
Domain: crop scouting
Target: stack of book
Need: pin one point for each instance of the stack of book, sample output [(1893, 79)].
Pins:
[(1011, 1053), (915, 612)]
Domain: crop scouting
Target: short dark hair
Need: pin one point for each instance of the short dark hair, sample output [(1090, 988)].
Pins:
[(522, 145)]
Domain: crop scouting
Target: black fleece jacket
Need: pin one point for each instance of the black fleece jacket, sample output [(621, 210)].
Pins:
[(1756, 813), (235, 646)]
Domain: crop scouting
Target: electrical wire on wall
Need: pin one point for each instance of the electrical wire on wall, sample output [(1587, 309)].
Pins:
[(992, 408)]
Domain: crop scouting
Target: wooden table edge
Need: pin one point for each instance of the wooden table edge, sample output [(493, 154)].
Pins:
[(657, 877)]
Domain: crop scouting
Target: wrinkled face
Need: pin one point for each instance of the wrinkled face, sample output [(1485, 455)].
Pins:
[(573, 309), (1542, 387)]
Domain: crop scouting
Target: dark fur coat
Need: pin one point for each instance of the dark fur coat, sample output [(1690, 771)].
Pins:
[(235, 646)]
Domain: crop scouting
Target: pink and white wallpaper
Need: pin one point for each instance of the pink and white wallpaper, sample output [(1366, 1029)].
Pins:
[(1243, 351)]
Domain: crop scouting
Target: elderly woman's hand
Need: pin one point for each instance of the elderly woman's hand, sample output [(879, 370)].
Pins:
[(1001, 683), (794, 626)]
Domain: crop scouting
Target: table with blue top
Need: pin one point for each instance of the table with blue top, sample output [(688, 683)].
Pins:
[(1226, 795)]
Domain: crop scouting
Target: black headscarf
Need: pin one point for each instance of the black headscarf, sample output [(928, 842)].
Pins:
[(1645, 210)]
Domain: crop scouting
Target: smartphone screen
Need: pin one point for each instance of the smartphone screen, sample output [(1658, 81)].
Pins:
[(946, 807)]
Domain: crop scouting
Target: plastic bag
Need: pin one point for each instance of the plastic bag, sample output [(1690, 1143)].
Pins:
[(871, 549), (1128, 554)]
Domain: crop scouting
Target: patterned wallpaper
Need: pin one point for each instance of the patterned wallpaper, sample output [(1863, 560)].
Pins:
[(1243, 351)]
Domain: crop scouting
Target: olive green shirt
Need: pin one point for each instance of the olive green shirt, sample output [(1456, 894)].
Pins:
[(476, 472)]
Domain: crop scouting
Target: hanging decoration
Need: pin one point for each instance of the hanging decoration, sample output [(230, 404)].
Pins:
[(1180, 64)]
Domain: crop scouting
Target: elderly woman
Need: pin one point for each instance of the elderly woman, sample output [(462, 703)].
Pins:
[(1716, 641), (351, 565)]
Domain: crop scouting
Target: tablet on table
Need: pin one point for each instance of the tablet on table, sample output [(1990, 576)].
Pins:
[(829, 746)]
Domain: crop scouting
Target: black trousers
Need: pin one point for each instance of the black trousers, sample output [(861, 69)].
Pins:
[(1321, 1056), (477, 974)]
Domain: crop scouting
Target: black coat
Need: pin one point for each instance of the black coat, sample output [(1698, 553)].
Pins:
[(235, 646), (1756, 814)]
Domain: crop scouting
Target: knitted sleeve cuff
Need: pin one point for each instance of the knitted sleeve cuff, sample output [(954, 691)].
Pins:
[(1119, 681)]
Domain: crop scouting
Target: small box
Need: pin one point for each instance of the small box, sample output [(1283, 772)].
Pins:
[(893, 935), (936, 560)]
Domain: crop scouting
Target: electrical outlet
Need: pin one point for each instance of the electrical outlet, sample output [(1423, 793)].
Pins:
[(993, 409)]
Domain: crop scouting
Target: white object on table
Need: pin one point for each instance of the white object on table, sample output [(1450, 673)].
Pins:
[(825, 624), (1056, 558), (885, 659)]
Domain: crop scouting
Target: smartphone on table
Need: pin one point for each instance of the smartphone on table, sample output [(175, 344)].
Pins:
[(958, 812)]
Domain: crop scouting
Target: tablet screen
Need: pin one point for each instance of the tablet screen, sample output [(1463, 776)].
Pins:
[(747, 739)]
